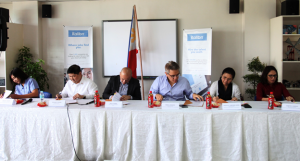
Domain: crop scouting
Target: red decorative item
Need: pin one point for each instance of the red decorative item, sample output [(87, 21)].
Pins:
[(156, 103), (42, 105), (291, 56), (18, 101)]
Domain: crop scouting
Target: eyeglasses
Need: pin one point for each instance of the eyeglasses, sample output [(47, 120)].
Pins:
[(273, 76), (173, 76)]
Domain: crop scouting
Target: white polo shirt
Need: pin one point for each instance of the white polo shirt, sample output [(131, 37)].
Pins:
[(85, 87)]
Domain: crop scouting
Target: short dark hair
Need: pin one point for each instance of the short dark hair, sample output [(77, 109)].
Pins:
[(171, 65), (74, 69), (230, 71), (264, 75), (17, 72)]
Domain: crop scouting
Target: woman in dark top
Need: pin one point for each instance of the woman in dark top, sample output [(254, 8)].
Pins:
[(225, 88), (269, 83)]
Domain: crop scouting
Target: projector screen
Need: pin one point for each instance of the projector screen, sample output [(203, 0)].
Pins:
[(158, 44)]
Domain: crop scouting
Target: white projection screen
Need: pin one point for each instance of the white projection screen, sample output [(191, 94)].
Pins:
[(158, 43)]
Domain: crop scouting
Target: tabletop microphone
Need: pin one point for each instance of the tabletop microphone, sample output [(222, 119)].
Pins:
[(30, 100)]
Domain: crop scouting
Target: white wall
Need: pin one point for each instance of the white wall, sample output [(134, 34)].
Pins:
[(257, 31), (228, 30)]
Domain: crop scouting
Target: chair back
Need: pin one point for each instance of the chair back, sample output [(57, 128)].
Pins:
[(47, 95)]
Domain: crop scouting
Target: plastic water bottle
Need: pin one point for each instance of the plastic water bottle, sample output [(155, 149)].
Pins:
[(271, 101), (42, 96), (97, 101), (208, 101), (150, 100)]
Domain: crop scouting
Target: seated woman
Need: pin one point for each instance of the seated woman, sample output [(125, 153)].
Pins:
[(269, 83), (25, 87), (225, 88)]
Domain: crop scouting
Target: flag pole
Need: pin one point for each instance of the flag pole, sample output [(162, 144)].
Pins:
[(138, 35)]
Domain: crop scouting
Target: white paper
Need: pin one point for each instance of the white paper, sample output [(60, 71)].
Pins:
[(7, 93), (197, 103), (57, 103), (231, 106), (170, 105), (115, 104), (126, 103), (116, 97), (7, 102), (69, 100), (290, 106)]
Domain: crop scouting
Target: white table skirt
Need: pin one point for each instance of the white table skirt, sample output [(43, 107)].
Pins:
[(139, 133)]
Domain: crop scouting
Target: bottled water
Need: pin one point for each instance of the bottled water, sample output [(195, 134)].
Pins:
[(42, 96)]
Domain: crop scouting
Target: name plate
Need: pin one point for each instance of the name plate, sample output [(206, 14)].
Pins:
[(292, 106), (170, 106), (113, 104), (7, 102), (57, 103), (231, 106)]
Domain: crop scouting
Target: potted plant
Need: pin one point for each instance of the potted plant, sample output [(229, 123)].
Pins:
[(256, 67), (31, 68)]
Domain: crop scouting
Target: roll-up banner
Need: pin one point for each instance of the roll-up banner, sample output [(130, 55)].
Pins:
[(79, 49), (196, 59)]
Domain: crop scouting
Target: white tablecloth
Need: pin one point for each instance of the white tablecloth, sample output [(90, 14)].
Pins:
[(139, 133)]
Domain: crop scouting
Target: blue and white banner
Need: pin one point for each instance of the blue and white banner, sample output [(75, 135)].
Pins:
[(78, 46), (196, 59), (79, 49)]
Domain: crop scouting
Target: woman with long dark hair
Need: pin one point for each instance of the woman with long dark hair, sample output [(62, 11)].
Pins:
[(224, 88), (269, 83), (25, 87)]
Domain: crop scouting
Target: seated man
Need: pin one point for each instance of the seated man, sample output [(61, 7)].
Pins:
[(171, 86), (78, 87), (128, 87)]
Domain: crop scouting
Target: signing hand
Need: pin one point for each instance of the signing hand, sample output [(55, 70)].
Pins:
[(14, 96), (58, 97), (78, 96), (234, 99), (159, 97), (215, 99), (289, 98), (197, 97), (125, 97)]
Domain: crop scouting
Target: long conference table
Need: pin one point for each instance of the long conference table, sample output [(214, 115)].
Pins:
[(139, 133)]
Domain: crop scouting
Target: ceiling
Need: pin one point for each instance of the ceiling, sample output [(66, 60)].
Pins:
[(10, 1)]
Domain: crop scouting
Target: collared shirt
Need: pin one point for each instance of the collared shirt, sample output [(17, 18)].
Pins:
[(85, 87), (122, 90), (176, 93), (29, 85)]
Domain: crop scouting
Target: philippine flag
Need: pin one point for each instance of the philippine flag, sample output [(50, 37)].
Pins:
[(132, 51)]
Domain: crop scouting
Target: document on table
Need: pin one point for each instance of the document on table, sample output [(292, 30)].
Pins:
[(7, 93), (196, 104), (116, 97), (70, 100)]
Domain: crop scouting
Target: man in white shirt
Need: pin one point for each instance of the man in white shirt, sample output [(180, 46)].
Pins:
[(78, 87)]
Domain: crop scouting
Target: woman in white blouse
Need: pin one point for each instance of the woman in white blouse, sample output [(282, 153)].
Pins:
[(225, 88)]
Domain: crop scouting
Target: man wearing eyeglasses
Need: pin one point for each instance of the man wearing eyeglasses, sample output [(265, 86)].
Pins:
[(171, 86)]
